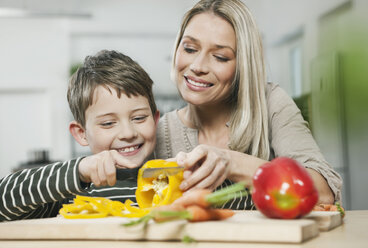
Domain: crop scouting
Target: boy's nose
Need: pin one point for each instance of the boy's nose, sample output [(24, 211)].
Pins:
[(127, 132)]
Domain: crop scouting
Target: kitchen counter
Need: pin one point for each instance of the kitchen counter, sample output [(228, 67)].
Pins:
[(352, 233)]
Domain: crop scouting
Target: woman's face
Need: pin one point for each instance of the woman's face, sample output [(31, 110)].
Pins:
[(206, 60)]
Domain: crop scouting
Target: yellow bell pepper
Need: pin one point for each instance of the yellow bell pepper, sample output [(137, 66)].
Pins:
[(134, 211), (84, 207), (151, 192), (162, 190)]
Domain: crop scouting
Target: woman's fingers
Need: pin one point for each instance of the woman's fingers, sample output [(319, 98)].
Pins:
[(189, 160), (199, 176), (187, 174), (209, 167), (181, 158), (215, 177)]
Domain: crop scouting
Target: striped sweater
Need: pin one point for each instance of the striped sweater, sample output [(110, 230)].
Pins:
[(40, 192)]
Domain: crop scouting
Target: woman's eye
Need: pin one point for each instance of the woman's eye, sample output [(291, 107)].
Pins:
[(221, 59), (189, 50)]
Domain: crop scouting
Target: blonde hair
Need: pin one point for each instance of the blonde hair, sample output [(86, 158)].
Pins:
[(249, 118)]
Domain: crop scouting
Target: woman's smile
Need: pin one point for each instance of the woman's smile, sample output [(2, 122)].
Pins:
[(196, 84)]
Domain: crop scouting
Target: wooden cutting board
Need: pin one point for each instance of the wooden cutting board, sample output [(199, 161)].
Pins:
[(244, 226)]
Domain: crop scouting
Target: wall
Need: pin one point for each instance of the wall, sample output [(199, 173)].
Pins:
[(36, 55), (34, 59)]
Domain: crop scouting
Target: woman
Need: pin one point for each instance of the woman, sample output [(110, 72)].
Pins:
[(234, 121)]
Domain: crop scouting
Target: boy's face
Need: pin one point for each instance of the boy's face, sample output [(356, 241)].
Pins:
[(123, 124)]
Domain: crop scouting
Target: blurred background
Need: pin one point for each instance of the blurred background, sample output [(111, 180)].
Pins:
[(316, 50)]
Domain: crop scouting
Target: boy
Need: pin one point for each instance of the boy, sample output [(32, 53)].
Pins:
[(111, 99)]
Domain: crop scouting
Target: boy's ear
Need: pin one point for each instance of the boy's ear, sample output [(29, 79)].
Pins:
[(78, 133), (156, 117)]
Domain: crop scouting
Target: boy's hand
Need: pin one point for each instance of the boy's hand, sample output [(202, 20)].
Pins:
[(100, 169)]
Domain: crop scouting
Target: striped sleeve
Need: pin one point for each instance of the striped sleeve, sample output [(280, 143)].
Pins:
[(38, 192)]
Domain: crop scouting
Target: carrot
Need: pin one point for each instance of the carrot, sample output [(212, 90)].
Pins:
[(318, 208), (193, 213), (198, 213), (330, 207), (194, 197), (169, 212), (196, 206), (205, 198)]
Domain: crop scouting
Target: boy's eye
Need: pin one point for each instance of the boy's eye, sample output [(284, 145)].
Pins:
[(107, 124), (140, 118)]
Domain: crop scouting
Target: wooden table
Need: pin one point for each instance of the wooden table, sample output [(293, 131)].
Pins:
[(353, 233)]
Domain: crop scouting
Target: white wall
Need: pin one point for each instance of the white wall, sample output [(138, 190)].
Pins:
[(34, 59), (36, 55), (144, 30)]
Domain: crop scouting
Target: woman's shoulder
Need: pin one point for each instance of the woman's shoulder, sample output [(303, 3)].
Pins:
[(274, 90), (277, 97)]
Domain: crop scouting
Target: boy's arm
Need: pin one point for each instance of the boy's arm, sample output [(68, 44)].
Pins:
[(38, 192)]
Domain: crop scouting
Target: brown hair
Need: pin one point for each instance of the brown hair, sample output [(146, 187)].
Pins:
[(109, 69)]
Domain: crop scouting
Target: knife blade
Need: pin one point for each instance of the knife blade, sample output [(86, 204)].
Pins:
[(155, 172), (127, 174)]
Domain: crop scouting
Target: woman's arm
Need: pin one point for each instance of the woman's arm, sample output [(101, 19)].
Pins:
[(245, 173), (325, 194), (291, 137), (209, 166)]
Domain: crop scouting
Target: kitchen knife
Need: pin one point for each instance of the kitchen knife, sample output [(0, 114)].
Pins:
[(155, 172), (127, 174)]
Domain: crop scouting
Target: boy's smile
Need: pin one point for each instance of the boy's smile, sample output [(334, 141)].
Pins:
[(123, 124)]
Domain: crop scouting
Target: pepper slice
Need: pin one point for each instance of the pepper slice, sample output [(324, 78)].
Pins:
[(83, 211), (160, 190), (151, 192)]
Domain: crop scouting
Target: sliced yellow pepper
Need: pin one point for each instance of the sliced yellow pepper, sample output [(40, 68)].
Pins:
[(151, 192), (134, 211), (82, 211), (162, 190)]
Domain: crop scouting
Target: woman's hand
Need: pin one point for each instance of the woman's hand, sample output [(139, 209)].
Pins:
[(205, 167), (208, 167)]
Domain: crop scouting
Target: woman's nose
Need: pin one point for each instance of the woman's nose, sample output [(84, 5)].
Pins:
[(127, 132), (200, 64)]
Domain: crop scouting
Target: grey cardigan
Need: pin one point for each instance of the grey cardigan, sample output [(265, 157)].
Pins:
[(289, 136)]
